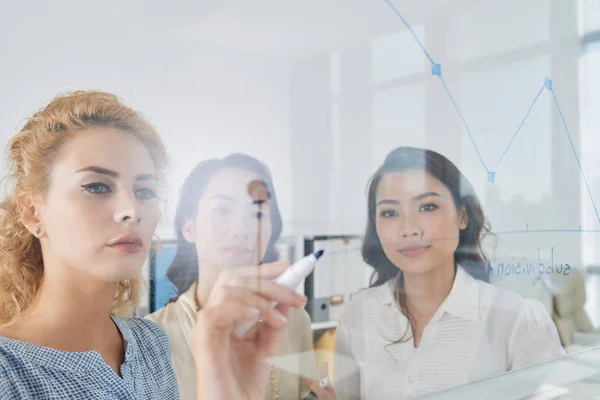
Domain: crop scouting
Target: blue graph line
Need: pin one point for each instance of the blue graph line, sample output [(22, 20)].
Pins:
[(502, 233), (562, 118), (499, 233), (436, 70), (414, 35), (521, 125), (462, 118)]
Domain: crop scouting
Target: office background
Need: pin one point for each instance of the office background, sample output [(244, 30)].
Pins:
[(322, 90)]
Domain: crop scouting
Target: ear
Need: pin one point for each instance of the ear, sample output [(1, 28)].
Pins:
[(463, 219), (188, 231), (30, 208)]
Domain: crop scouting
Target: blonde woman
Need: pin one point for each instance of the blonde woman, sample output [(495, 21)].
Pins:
[(75, 227)]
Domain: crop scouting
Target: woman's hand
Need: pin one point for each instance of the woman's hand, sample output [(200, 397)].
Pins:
[(228, 368), (326, 393)]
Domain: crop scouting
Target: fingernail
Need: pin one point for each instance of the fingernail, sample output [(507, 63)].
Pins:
[(253, 311), (281, 317)]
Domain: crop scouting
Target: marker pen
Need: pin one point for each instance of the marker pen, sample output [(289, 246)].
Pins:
[(290, 278), (324, 382)]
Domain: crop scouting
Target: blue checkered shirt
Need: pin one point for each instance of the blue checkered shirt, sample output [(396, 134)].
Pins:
[(34, 372)]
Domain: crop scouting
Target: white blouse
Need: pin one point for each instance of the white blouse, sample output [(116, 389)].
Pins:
[(480, 330)]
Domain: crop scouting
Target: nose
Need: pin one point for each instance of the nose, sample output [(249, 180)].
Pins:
[(127, 210), (411, 233), (242, 227), (411, 229)]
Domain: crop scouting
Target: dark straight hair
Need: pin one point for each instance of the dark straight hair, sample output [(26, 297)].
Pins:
[(469, 253), (183, 271)]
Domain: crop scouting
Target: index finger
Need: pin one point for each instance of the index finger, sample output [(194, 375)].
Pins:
[(324, 370)]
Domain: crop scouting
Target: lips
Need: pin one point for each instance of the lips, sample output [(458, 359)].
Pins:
[(414, 250), (130, 243), (238, 250)]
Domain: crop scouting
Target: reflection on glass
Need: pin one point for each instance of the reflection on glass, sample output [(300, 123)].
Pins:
[(576, 376), (495, 101), (228, 218)]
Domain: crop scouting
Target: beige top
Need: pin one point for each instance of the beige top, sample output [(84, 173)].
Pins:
[(177, 320)]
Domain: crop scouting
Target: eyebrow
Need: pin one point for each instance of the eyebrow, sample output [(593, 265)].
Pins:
[(145, 177), (113, 174), (223, 197), (415, 198), (425, 195)]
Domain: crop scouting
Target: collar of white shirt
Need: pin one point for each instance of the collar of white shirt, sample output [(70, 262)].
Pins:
[(462, 301)]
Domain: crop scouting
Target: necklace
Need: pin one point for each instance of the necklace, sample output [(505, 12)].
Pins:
[(274, 388)]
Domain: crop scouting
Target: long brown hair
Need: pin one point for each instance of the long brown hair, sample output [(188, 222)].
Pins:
[(183, 271), (468, 254)]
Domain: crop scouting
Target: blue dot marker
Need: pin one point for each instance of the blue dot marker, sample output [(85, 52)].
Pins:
[(548, 83)]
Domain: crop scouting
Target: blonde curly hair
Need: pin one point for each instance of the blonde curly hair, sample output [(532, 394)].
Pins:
[(30, 156)]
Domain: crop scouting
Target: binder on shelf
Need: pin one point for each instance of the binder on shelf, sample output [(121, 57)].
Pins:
[(341, 273)]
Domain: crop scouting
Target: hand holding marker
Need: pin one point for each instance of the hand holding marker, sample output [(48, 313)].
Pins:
[(291, 278), (324, 391), (323, 384)]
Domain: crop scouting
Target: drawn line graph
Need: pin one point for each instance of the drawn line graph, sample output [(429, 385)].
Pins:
[(494, 234), (436, 70)]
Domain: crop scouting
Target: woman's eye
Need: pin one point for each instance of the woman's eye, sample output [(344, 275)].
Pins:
[(388, 213), (428, 207), (145, 194), (221, 210), (97, 188)]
